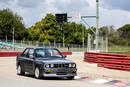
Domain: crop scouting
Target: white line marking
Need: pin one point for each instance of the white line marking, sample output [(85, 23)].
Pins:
[(99, 81), (76, 77)]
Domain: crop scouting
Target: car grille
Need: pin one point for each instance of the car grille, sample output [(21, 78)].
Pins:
[(61, 65)]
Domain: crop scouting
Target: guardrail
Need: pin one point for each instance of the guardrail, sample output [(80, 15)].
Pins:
[(107, 60), (12, 54), (66, 53), (9, 54)]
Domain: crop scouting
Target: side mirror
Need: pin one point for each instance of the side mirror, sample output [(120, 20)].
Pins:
[(19, 55), (65, 56)]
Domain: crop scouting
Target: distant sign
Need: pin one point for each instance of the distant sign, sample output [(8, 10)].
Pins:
[(60, 18), (76, 16)]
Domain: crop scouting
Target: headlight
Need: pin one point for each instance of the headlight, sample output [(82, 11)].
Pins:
[(73, 65), (47, 66), (51, 65)]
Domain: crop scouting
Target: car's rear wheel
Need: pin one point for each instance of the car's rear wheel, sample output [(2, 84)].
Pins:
[(37, 73), (19, 70), (70, 77)]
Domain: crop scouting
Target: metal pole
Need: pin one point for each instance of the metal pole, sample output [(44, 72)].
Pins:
[(63, 41), (106, 43), (21, 43), (89, 43), (13, 39), (13, 35), (63, 37), (102, 44), (88, 25), (83, 39), (6, 36), (54, 43), (97, 22)]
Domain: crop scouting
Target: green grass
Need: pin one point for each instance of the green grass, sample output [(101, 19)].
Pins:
[(119, 50)]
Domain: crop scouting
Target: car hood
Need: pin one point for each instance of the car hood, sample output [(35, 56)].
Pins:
[(55, 61)]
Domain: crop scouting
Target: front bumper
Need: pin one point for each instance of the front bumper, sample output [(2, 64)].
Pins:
[(60, 72)]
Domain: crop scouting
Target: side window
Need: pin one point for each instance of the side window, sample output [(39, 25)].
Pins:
[(31, 52), (25, 52), (40, 53)]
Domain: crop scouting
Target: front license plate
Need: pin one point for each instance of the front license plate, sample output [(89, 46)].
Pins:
[(62, 70)]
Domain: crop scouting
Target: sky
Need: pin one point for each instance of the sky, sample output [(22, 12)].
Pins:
[(111, 12)]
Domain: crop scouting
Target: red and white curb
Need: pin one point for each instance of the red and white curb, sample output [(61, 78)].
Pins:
[(117, 83)]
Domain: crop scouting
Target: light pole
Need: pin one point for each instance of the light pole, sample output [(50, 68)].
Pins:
[(13, 36), (6, 36), (97, 22), (83, 38), (63, 37), (54, 43)]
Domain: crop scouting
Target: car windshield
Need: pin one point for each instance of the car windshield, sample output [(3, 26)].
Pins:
[(48, 53)]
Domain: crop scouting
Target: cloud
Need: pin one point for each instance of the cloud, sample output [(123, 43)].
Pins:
[(70, 5), (30, 3), (116, 4), (114, 17), (111, 12), (4, 1), (7, 3)]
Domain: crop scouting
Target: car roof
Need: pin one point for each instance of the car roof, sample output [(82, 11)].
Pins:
[(39, 48)]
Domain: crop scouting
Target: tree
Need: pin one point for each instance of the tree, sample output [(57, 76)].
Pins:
[(73, 33), (8, 21), (45, 30), (113, 38), (48, 30), (106, 30), (125, 31)]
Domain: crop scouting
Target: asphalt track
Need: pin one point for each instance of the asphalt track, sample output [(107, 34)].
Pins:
[(9, 78)]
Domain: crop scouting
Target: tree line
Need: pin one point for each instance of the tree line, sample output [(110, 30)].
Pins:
[(48, 30), (8, 22)]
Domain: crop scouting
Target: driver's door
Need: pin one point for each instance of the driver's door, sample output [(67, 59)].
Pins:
[(29, 61)]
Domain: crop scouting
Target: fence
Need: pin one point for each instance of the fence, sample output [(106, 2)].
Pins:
[(23, 44), (107, 60), (20, 45)]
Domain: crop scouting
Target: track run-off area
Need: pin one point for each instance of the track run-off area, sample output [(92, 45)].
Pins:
[(89, 75)]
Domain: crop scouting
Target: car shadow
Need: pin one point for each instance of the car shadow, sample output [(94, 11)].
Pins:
[(47, 78)]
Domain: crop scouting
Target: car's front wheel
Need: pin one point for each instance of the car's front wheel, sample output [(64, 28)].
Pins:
[(70, 77), (37, 73), (19, 70)]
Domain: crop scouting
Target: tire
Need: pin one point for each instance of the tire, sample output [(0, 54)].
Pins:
[(19, 70), (37, 73), (70, 77)]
